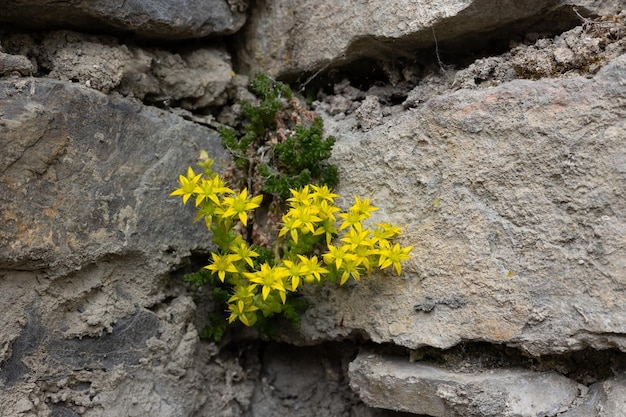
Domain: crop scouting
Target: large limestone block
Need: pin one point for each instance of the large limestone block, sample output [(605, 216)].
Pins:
[(603, 399), (87, 230), (515, 200), (84, 175), (88, 235), (179, 19), (287, 38)]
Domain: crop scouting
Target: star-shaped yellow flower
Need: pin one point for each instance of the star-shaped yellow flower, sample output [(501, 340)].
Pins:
[(187, 185), (363, 207), (243, 252), (338, 255), (323, 193), (221, 265), (240, 205), (357, 237), (393, 256), (313, 268), (269, 278), (246, 313), (300, 197), (209, 190)]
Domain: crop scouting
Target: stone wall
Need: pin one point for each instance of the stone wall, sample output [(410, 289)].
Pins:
[(493, 134)]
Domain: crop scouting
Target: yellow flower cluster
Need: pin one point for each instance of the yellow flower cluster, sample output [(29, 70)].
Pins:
[(209, 194), (359, 249), (309, 225)]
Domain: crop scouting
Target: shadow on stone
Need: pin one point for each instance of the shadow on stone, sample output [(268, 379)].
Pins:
[(124, 345)]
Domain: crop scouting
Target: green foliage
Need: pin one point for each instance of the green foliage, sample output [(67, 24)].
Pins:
[(304, 149), (216, 328), (238, 146), (269, 90), (271, 94), (200, 278), (298, 159), (293, 139)]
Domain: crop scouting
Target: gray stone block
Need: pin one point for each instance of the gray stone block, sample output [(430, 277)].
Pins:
[(180, 19), (397, 384)]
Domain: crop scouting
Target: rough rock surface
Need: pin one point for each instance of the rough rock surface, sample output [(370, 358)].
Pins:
[(91, 327), (179, 19), (394, 383), (508, 174), (10, 64), (288, 38), (192, 79), (87, 236), (514, 199), (603, 399), (575, 52), (78, 162)]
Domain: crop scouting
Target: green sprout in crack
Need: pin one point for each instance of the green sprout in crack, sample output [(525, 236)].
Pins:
[(282, 145)]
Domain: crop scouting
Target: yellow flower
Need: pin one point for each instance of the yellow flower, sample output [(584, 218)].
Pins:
[(328, 228), (326, 210), (338, 255), (383, 232), (302, 197), (313, 268), (351, 218), (209, 190), (305, 218), (323, 193), (206, 210), (243, 252), (358, 237), (270, 278), (289, 226), (362, 256), (296, 270), (242, 292), (242, 311), (363, 207), (393, 256), (221, 265), (187, 185), (349, 269), (387, 230), (359, 211), (240, 205)]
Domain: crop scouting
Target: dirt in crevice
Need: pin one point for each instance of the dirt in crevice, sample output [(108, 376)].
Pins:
[(302, 381), (401, 82), (409, 59), (584, 366)]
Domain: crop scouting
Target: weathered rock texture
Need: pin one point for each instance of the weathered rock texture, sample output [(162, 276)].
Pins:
[(579, 51), (11, 64), (91, 174), (88, 235), (151, 19), (423, 389), (191, 79), (514, 199), (509, 176), (288, 38)]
